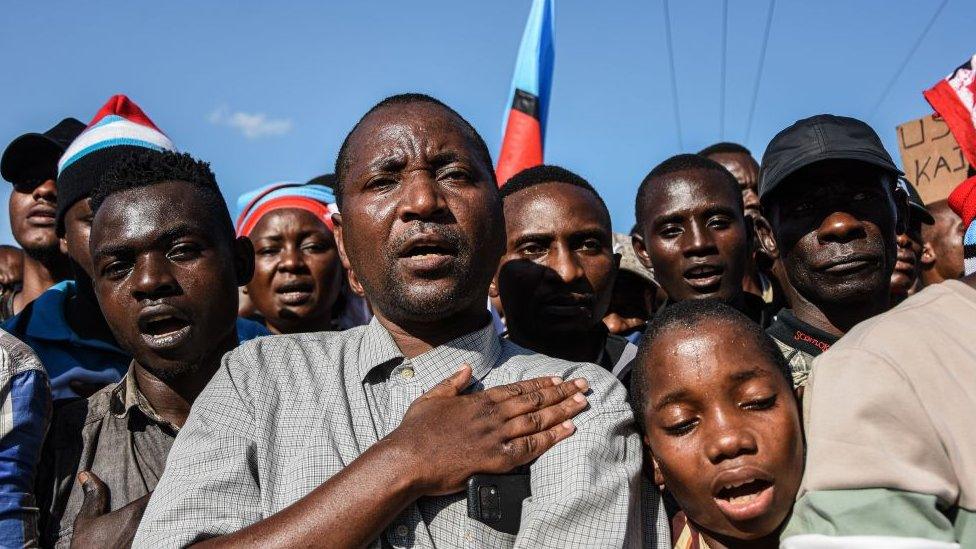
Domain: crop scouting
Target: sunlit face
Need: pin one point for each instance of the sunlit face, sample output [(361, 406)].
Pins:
[(694, 235), (723, 429), (421, 221), (297, 272)]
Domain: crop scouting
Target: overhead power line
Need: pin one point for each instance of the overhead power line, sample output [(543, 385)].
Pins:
[(674, 76), (759, 72), (911, 53), (725, 45)]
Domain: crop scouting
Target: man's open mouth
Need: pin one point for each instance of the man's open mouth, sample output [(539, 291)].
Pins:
[(704, 278), (163, 326), (428, 252)]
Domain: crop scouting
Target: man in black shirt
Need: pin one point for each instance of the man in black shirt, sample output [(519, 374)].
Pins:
[(829, 191)]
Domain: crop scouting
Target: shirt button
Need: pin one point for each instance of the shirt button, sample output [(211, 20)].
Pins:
[(402, 531), (406, 373)]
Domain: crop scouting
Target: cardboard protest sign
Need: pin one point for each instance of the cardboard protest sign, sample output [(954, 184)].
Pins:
[(931, 158)]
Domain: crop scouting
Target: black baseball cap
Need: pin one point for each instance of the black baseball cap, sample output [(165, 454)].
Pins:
[(35, 155), (821, 137), (915, 202)]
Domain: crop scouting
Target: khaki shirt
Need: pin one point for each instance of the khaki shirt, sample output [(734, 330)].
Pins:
[(115, 434), (891, 443)]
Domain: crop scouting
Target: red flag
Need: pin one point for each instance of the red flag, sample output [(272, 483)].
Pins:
[(954, 98)]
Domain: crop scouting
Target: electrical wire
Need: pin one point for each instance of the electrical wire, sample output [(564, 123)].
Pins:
[(725, 42), (759, 72), (674, 77), (911, 53)]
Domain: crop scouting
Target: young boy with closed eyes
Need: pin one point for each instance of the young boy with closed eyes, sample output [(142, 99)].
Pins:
[(721, 426)]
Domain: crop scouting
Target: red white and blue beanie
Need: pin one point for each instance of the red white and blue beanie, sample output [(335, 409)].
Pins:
[(117, 130), (311, 197)]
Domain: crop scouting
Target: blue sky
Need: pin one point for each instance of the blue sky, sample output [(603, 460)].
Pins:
[(266, 91)]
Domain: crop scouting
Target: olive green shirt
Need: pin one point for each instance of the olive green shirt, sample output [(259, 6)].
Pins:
[(116, 435)]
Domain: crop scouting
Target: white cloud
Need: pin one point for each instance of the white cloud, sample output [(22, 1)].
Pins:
[(251, 125)]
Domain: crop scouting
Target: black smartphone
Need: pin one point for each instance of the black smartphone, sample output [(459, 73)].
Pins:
[(496, 500)]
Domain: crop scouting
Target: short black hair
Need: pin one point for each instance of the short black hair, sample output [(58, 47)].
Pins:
[(680, 163), (342, 160), (546, 173), (149, 167), (725, 147), (689, 314)]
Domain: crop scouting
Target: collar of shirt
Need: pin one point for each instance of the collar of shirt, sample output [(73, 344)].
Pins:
[(798, 334), (127, 400), (479, 349), (48, 322)]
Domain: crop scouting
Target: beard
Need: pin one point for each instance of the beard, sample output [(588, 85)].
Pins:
[(414, 300), (442, 293)]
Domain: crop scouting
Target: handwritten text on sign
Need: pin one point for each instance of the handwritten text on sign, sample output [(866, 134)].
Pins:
[(931, 158)]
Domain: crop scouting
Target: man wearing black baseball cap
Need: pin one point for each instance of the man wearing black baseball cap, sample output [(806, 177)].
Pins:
[(30, 162), (829, 191)]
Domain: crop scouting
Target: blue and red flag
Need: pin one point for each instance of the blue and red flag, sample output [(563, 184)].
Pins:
[(528, 102)]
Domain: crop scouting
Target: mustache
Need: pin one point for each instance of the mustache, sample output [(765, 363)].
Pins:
[(450, 233)]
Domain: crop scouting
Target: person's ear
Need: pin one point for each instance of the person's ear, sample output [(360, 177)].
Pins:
[(656, 467), (764, 234), (929, 256), (337, 228), (63, 245), (637, 241), (354, 284), (493, 287), (243, 260), (751, 239)]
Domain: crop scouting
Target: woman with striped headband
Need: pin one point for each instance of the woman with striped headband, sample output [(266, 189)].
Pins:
[(299, 282)]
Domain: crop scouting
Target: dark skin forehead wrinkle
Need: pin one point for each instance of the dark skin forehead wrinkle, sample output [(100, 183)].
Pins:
[(710, 190), (283, 220), (406, 142), (542, 196), (696, 329), (195, 220)]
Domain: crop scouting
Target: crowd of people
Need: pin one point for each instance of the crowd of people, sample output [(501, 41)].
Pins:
[(409, 353)]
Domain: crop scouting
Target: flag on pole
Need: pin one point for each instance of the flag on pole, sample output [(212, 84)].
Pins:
[(954, 98), (524, 124)]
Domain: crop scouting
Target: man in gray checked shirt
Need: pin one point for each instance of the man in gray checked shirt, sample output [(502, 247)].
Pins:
[(421, 226)]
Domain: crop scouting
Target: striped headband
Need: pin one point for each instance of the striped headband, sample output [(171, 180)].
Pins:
[(316, 199)]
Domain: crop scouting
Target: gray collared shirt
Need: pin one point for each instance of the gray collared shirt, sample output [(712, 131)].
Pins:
[(285, 413), (115, 434)]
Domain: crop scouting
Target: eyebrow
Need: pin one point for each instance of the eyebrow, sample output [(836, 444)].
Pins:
[(446, 157), (168, 235), (671, 398), (392, 162), (532, 237), (746, 375)]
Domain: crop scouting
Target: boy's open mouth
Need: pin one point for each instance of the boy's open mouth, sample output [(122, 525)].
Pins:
[(745, 499)]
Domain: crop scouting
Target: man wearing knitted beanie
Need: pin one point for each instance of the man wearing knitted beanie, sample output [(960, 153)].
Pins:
[(65, 326)]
